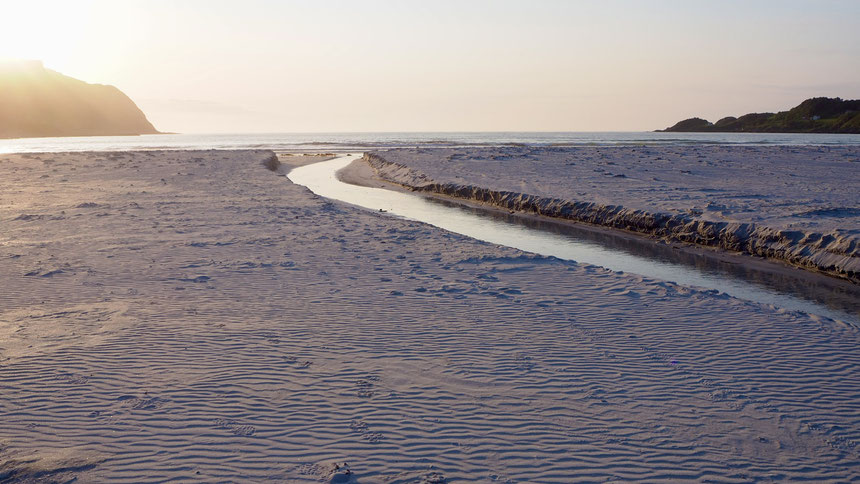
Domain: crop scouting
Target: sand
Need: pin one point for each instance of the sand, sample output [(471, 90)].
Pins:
[(194, 316), (799, 205)]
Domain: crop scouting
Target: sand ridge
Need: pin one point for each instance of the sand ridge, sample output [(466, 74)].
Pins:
[(793, 204), (194, 316)]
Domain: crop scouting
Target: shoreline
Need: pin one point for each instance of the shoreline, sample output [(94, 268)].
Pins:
[(360, 173), (194, 316), (835, 293), (826, 254)]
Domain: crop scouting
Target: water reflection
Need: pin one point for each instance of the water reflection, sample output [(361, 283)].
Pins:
[(833, 293), (737, 276)]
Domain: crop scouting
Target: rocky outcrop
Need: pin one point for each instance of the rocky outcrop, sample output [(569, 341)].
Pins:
[(834, 254), (38, 102), (814, 115)]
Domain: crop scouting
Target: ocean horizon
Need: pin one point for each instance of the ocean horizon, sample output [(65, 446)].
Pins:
[(300, 142)]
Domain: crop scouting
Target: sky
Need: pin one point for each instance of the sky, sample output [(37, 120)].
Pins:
[(271, 66)]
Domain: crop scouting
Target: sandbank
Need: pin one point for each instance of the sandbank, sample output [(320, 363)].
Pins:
[(194, 316), (798, 205)]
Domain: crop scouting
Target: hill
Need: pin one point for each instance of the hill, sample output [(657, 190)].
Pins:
[(39, 102), (815, 115)]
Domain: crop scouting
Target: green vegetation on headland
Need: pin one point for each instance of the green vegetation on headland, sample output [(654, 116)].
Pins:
[(815, 115), (39, 102)]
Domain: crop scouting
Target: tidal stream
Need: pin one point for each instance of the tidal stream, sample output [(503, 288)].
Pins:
[(739, 276)]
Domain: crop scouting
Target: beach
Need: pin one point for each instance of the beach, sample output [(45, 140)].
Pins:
[(793, 204), (195, 316)]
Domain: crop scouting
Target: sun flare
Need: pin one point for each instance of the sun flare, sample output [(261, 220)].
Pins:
[(48, 31)]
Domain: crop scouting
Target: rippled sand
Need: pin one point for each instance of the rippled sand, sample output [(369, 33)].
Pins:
[(786, 187), (195, 316), (796, 204)]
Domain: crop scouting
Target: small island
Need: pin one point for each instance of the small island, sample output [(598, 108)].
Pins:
[(38, 102), (815, 115)]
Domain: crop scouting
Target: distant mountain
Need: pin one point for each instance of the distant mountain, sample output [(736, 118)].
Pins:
[(816, 115), (38, 102)]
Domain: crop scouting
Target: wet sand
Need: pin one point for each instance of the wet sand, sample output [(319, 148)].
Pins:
[(195, 316)]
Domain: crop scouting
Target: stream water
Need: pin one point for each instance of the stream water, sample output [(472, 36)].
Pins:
[(737, 276)]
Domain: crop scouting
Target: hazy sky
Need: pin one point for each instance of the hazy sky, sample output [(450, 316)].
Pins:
[(300, 66)]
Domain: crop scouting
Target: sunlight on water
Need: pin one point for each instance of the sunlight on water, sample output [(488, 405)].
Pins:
[(321, 179), (364, 141)]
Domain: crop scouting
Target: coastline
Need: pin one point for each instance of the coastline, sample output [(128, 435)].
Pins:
[(193, 316), (361, 173), (830, 253)]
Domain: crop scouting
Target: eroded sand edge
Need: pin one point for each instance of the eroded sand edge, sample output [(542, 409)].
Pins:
[(831, 253)]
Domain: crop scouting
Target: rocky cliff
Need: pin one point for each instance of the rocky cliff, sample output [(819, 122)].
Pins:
[(39, 102)]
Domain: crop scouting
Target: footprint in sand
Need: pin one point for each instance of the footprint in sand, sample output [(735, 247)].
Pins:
[(271, 338), (362, 429), (235, 427), (433, 478), (333, 473), (72, 379), (365, 386), (524, 362), (141, 403), (292, 360)]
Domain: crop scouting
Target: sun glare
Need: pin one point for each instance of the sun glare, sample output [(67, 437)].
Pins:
[(50, 31)]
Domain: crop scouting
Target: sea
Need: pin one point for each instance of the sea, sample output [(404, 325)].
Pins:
[(342, 142)]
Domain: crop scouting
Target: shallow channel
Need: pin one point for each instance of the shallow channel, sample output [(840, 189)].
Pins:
[(737, 276)]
